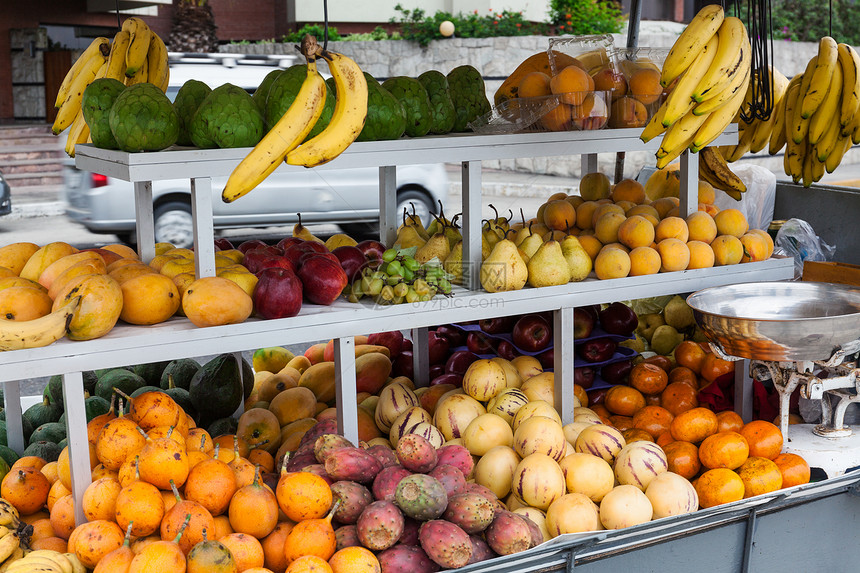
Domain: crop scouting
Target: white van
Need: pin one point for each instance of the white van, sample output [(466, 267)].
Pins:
[(348, 197)]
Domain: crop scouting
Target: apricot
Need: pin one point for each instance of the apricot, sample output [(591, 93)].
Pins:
[(672, 227), (731, 222), (628, 112), (612, 264), (534, 84), (559, 215), (701, 227), (610, 80), (572, 84), (728, 250), (701, 255), (755, 248), (636, 231), (629, 190), (644, 85), (674, 254), (607, 226), (644, 261)]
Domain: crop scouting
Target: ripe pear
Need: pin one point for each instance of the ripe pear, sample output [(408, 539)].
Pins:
[(340, 240), (578, 261), (414, 220), (436, 247), (302, 232), (408, 236), (677, 313), (665, 339), (452, 231), (648, 323), (548, 267), (637, 343), (504, 268), (453, 263), (531, 244)]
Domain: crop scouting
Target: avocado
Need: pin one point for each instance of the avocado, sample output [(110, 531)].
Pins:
[(466, 86), (223, 427), (93, 406), (182, 371), (415, 101), (9, 455), (121, 379), (442, 112), (216, 390), (385, 116), (151, 373), (42, 413)]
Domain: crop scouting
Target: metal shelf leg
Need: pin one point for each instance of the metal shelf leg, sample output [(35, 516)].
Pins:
[(471, 174), (204, 234), (689, 194), (562, 338), (387, 205), (345, 392), (145, 223), (14, 424), (421, 356), (76, 428)]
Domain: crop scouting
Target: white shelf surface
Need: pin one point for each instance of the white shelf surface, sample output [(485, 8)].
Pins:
[(178, 337), (186, 163)]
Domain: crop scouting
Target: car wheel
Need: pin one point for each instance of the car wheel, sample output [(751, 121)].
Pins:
[(174, 225), (405, 199)]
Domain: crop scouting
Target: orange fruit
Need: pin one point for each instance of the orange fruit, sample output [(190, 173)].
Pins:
[(724, 450), (765, 438), (624, 400), (714, 367), (648, 378), (795, 470), (727, 420), (718, 486), (731, 222), (679, 397), (694, 425), (682, 458), (652, 419), (690, 355), (685, 375), (760, 476)]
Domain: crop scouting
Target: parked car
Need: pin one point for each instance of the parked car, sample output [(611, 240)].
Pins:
[(5, 196), (347, 197)]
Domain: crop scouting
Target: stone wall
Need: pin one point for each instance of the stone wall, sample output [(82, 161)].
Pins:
[(28, 73)]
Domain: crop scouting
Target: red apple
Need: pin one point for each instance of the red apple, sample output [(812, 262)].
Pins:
[(392, 339), (275, 261), (459, 362), (597, 396), (254, 257), (584, 376), (438, 347), (323, 280), (403, 365), (372, 251), (617, 372), (454, 335), (288, 242), (437, 370), (583, 323), (480, 343), (597, 350), (618, 318), (407, 345), (497, 325), (223, 244), (351, 259), (246, 246), (295, 251), (449, 378), (278, 293), (547, 358), (307, 255), (506, 350), (532, 333)]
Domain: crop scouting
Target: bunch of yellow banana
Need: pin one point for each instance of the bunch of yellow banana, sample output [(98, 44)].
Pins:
[(135, 55), (714, 169), (708, 71), (818, 119), (285, 140), (38, 332), (756, 135), (42, 560)]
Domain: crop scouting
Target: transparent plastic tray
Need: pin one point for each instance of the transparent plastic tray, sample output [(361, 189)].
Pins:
[(546, 114)]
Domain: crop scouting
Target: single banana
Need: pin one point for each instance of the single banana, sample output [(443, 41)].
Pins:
[(706, 174), (138, 45), (17, 555), (828, 111), (72, 104), (825, 146), (140, 76), (58, 558), (688, 45), (798, 128), (654, 127), (821, 75), (717, 121), (806, 175), (681, 96), (77, 566), (38, 563), (681, 131), (778, 133), (818, 168), (849, 61), (793, 159), (350, 112), (98, 46), (764, 129), (853, 129), (8, 514), (737, 83), (158, 72), (36, 333), (78, 133), (722, 172), (9, 543), (745, 138), (116, 59), (732, 37), (286, 135), (835, 158), (667, 156)]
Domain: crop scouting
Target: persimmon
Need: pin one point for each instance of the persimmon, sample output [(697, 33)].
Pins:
[(726, 449), (694, 425), (760, 476), (714, 367), (648, 378), (728, 420), (624, 400), (678, 397), (682, 458), (719, 486), (794, 469), (653, 419), (765, 439), (690, 355)]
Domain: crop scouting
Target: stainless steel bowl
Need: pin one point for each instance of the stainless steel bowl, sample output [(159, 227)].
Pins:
[(780, 321)]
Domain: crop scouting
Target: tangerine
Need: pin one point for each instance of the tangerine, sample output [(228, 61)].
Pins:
[(682, 458), (690, 355), (694, 425), (653, 419), (728, 420), (714, 367), (765, 439), (648, 378), (685, 375), (794, 469), (724, 450), (624, 400), (718, 486), (679, 397), (760, 476)]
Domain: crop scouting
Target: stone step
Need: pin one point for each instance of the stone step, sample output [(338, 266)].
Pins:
[(45, 140), (31, 152), (46, 165), (20, 130), (28, 179)]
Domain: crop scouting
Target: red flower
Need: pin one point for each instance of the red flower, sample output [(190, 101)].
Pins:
[(495, 21), (519, 25), (568, 16)]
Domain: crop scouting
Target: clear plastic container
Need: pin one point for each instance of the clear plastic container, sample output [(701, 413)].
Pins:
[(573, 111), (594, 52), (635, 75)]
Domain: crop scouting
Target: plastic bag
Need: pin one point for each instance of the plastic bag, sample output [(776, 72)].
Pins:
[(758, 202), (796, 238)]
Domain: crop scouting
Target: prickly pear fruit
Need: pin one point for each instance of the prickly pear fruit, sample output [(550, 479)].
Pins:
[(450, 477), (380, 525), (457, 456), (385, 483), (471, 511), (484, 491), (353, 497), (346, 536), (319, 470), (445, 543), (410, 531), (480, 550), (416, 453), (352, 464), (327, 443), (421, 497), (509, 533), (384, 454), (297, 462), (406, 559), (537, 535), (327, 426)]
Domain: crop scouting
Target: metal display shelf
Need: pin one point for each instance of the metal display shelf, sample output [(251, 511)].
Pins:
[(179, 338)]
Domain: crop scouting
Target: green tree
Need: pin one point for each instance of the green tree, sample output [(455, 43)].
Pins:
[(579, 17)]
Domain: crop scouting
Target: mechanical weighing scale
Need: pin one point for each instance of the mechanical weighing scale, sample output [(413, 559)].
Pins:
[(797, 335)]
